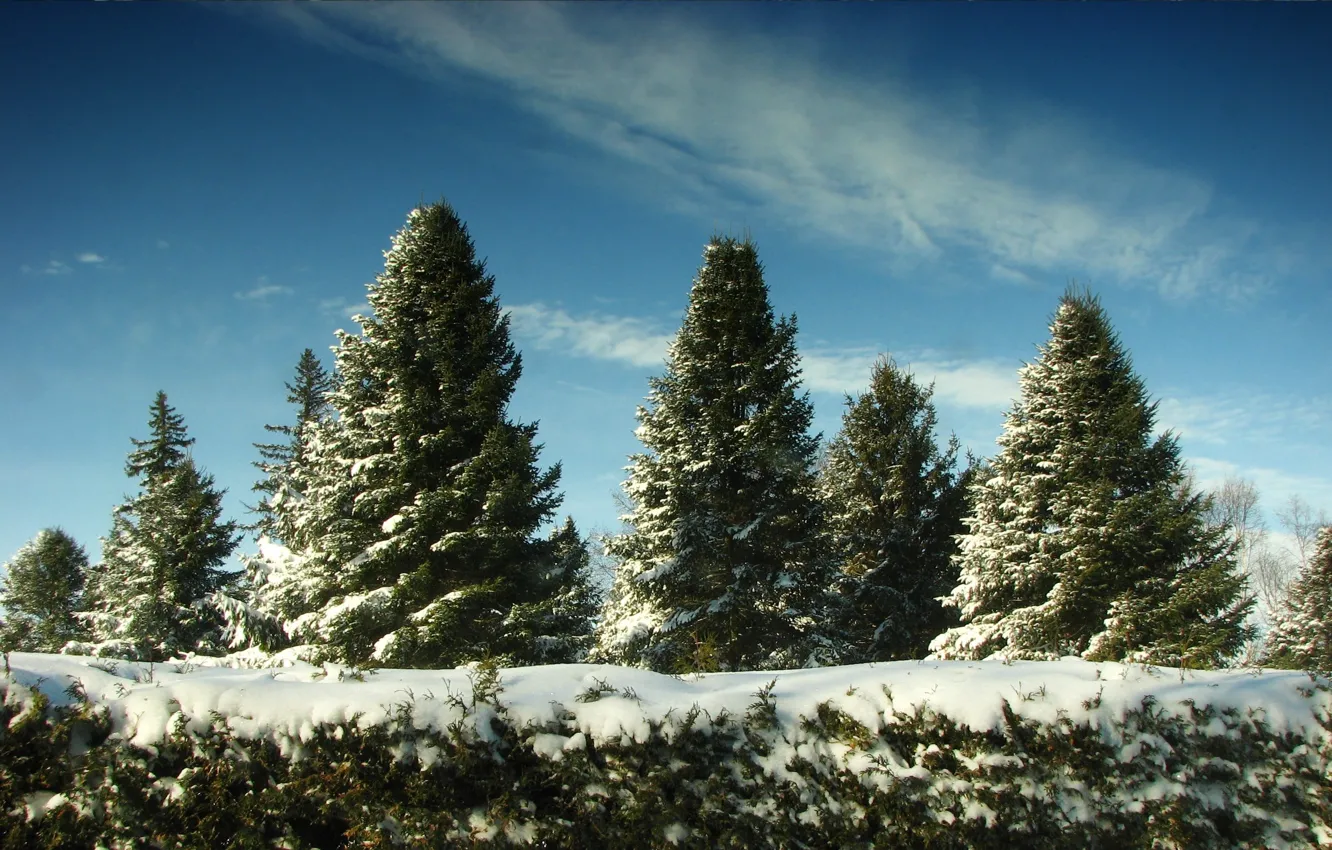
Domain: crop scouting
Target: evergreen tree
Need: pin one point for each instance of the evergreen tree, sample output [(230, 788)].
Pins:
[(165, 449), (558, 625), (1085, 538), (42, 589), (154, 594), (1302, 635), (283, 463), (895, 503), (416, 540), (723, 566)]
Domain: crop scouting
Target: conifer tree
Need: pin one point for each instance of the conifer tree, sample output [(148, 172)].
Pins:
[(556, 628), (42, 589), (283, 463), (162, 565), (895, 503), (1084, 537), (1302, 635), (421, 512), (723, 566), (166, 449)]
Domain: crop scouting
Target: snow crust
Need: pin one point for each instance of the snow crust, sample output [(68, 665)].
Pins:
[(286, 703)]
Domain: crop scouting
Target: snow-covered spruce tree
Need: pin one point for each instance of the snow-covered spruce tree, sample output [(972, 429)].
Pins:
[(724, 564), (159, 588), (417, 536), (283, 463), (1084, 537), (557, 626), (276, 585), (1302, 635), (42, 588), (895, 502)]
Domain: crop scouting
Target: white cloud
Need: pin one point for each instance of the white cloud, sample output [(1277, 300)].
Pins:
[(1275, 486), (263, 291), (91, 258), (986, 384), (341, 307), (1237, 416), (622, 339), (911, 174), (989, 383), (55, 267), (983, 384), (162, 244)]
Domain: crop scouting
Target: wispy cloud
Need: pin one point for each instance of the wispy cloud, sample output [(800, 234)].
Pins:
[(162, 244), (344, 308), (1246, 416), (53, 268), (1022, 190), (263, 291), (987, 384), (1275, 486), (627, 340), (90, 258)]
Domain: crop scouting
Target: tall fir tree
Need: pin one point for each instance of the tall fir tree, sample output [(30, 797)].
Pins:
[(895, 503), (283, 463), (724, 564), (417, 538), (154, 593), (42, 590), (1085, 538), (1302, 635)]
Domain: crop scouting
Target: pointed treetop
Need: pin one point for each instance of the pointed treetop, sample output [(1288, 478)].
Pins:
[(165, 449)]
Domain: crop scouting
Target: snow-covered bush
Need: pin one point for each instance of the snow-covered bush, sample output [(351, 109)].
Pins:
[(940, 754)]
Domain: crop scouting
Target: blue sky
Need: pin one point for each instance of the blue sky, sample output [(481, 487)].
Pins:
[(192, 194)]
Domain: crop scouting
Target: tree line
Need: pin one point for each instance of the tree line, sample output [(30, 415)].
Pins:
[(400, 514)]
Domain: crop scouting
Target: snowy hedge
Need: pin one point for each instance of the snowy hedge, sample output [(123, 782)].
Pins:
[(929, 754)]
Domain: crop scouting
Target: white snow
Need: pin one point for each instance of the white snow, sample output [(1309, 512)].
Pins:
[(285, 703)]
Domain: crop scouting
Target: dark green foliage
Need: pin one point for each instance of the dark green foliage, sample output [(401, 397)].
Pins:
[(724, 565), (283, 464), (422, 508), (895, 503), (165, 449), (556, 628), (1085, 538), (1148, 779), (42, 588), (151, 596)]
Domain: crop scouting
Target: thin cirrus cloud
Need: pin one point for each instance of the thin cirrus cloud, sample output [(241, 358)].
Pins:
[(342, 307), (1224, 418), (1275, 487), (984, 384), (263, 291), (53, 268), (915, 176), (632, 341)]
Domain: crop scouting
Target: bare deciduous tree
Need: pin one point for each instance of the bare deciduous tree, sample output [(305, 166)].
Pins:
[(1235, 504), (1302, 523)]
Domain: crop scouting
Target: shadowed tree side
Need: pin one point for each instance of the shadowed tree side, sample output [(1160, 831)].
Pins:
[(895, 503)]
